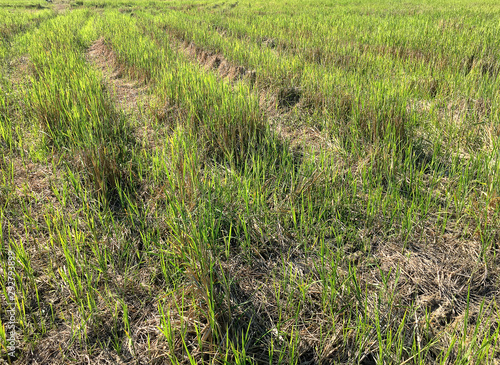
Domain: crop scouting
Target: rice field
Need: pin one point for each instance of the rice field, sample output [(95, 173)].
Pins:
[(249, 182)]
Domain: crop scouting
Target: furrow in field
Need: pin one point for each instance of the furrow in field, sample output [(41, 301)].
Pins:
[(218, 63), (327, 99), (61, 6), (127, 93), (210, 61), (277, 104)]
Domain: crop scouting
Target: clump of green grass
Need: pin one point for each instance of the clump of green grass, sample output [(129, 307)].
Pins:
[(6, 134), (107, 172), (75, 110)]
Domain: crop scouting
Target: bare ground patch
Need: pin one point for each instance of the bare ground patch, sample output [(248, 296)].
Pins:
[(61, 6), (127, 93), (20, 69), (218, 63), (446, 279), (300, 136)]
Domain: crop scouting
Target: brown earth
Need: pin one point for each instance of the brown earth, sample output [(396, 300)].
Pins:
[(127, 93), (216, 61)]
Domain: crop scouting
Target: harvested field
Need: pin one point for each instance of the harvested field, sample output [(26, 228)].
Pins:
[(249, 183)]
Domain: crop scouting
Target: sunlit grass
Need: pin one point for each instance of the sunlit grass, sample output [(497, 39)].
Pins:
[(340, 207)]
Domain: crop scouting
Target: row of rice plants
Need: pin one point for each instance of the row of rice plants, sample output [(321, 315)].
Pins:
[(15, 21), (345, 91), (250, 252), (87, 142), (68, 98), (373, 178), (203, 208), (225, 117)]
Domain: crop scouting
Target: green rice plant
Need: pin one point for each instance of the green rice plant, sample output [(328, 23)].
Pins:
[(6, 132), (14, 22), (69, 99), (226, 127)]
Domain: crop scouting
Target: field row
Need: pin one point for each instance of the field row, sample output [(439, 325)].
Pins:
[(186, 183)]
